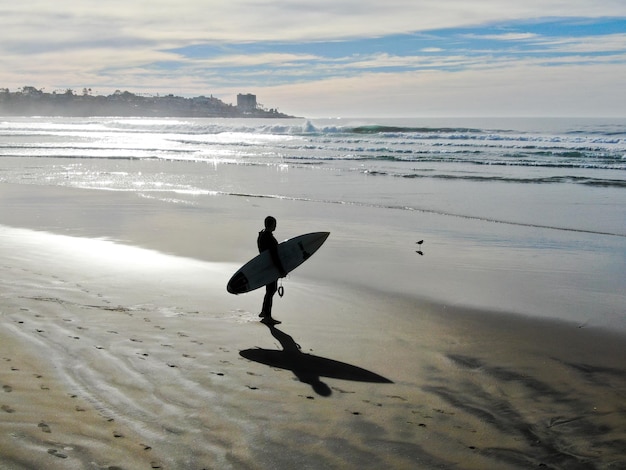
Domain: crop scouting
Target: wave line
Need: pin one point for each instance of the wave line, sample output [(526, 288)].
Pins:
[(418, 209)]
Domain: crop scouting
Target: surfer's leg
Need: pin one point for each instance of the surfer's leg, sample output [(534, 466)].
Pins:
[(270, 290)]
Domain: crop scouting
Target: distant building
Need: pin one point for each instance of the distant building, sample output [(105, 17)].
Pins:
[(246, 102), (31, 90)]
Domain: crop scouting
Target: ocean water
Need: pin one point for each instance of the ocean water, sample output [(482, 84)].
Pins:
[(526, 215)]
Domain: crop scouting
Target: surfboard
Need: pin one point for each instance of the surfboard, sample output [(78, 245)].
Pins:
[(260, 270)]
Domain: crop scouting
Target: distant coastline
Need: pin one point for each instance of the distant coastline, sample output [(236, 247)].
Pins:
[(29, 101)]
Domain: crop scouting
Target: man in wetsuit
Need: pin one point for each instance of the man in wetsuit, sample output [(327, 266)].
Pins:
[(266, 241)]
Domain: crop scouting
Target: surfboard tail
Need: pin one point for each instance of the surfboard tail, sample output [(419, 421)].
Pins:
[(238, 284)]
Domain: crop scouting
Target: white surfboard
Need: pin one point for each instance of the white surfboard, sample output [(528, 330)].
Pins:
[(260, 270)]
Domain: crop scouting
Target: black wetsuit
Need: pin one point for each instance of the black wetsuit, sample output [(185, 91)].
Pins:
[(266, 241)]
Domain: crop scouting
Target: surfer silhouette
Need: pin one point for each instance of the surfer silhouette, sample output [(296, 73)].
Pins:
[(266, 241)]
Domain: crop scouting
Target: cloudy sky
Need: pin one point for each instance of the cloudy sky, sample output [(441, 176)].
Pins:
[(331, 57)]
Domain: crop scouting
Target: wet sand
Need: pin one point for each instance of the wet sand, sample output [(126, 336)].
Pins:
[(113, 355)]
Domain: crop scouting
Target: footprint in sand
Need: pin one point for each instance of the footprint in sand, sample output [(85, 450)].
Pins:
[(7, 388), (7, 408), (56, 453), (372, 403), (44, 427)]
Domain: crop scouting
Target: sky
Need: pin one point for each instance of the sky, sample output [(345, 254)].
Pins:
[(331, 58)]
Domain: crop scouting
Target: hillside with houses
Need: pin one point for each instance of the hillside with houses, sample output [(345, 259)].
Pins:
[(30, 101)]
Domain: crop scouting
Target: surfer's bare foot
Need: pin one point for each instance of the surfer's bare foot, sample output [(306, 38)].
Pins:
[(271, 321), (262, 314)]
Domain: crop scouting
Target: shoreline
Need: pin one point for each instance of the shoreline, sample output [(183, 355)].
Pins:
[(469, 263)]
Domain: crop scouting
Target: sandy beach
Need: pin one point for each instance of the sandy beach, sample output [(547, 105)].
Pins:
[(121, 349)]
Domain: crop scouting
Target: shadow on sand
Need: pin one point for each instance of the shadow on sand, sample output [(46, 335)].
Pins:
[(306, 367)]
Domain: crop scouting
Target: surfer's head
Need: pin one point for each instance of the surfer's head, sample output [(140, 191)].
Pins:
[(270, 223)]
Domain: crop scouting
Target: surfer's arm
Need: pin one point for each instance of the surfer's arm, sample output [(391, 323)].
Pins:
[(266, 241), (276, 260)]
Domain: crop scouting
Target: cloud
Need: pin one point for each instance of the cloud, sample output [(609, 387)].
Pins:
[(505, 36), (587, 44), (397, 48), (278, 20), (248, 60), (519, 90)]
